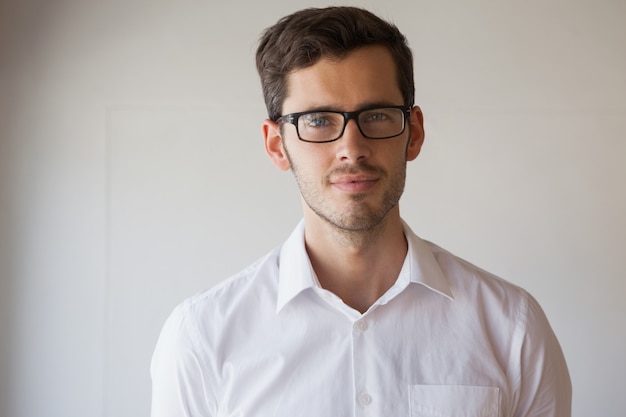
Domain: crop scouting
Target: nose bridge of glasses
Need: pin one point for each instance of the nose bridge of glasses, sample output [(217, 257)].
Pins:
[(355, 115), (352, 143)]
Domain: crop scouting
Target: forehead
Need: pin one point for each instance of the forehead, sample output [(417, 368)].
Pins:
[(365, 76)]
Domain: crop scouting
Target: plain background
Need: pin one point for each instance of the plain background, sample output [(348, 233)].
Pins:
[(133, 175)]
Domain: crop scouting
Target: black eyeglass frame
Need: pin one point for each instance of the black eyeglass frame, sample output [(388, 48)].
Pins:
[(292, 118)]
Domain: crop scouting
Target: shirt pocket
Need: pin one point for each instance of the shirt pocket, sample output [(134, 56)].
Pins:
[(453, 401)]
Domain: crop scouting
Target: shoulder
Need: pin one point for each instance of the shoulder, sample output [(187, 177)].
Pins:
[(458, 278), (185, 361), (485, 296), (259, 280), (465, 276), (200, 319), (499, 299)]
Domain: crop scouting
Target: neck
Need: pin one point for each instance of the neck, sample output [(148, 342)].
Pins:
[(358, 266)]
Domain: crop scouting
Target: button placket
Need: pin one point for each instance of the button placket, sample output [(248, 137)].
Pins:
[(361, 325), (363, 398)]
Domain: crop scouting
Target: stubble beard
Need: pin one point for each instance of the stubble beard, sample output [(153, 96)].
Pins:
[(359, 220)]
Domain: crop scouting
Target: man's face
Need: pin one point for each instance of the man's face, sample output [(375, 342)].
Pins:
[(353, 182)]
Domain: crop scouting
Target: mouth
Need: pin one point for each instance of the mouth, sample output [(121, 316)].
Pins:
[(354, 183)]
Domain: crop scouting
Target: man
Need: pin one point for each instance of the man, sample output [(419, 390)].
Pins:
[(354, 314)]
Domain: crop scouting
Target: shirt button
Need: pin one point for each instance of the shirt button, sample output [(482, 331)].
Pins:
[(361, 325), (365, 399)]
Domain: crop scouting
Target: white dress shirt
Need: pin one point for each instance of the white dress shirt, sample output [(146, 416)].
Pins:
[(447, 339)]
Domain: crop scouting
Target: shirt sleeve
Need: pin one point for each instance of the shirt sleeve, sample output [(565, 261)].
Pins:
[(178, 370), (545, 388)]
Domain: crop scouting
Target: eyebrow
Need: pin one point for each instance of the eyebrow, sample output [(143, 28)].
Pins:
[(362, 106)]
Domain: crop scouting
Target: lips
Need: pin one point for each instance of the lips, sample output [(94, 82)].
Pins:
[(354, 183)]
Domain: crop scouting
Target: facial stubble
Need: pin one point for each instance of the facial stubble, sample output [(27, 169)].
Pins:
[(359, 216)]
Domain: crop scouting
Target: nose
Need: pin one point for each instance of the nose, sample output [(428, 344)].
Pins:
[(352, 146)]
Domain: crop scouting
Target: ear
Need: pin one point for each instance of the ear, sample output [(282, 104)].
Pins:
[(416, 140), (274, 145)]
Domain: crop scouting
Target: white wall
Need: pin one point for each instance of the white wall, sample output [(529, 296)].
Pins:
[(133, 175)]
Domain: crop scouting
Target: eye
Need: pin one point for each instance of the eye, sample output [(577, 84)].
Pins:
[(317, 120), (381, 116), (374, 117), (377, 116)]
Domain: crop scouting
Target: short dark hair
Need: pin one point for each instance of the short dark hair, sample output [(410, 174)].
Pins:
[(299, 40)]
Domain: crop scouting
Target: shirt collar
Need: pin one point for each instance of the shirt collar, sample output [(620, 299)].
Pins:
[(296, 273), (423, 268)]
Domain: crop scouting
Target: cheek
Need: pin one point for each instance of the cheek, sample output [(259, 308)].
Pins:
[(391, 154), (306, 162)]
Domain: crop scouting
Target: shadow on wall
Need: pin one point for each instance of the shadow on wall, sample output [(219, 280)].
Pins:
[(7, 238), (6, 276), (5, 321)]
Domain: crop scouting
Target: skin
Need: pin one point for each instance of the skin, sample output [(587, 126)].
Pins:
[(350, 188)]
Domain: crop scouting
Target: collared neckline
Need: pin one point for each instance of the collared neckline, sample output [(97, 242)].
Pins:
[(296, 272), (424, 268)]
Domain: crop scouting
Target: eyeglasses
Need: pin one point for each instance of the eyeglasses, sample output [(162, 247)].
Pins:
[(328, 126)]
